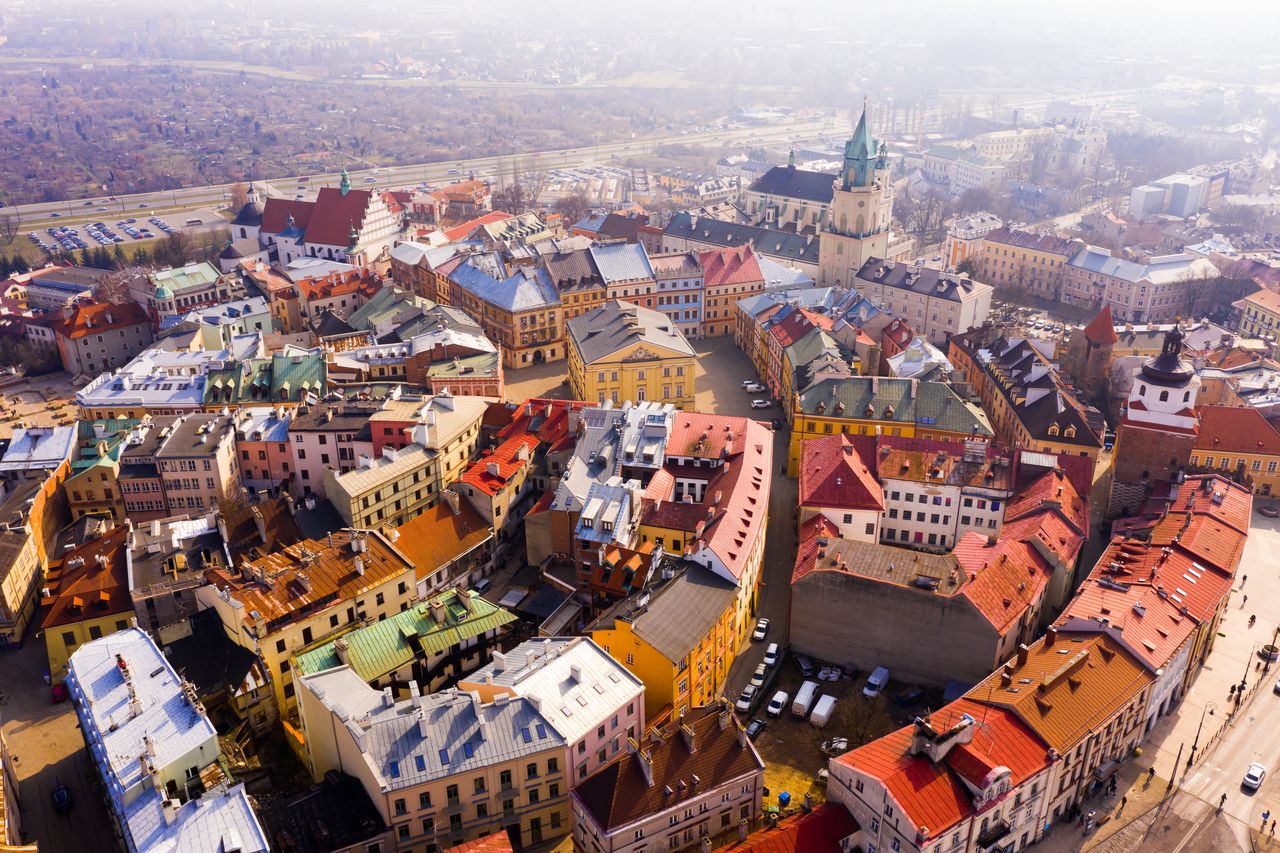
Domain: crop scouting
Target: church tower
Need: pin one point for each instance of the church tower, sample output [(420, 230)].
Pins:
[(1159, 428), (857, 227)]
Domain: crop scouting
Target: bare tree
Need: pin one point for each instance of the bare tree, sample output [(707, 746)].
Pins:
[(10, 222), (535, 181), (573, 207), (174, 250), (239, 195), (511, 194), (114, 287)]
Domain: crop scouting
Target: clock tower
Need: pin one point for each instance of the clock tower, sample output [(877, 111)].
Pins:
[(1156, 436), (861, 210)]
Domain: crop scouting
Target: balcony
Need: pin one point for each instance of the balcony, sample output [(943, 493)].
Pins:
[(453, 806), (996, 839)]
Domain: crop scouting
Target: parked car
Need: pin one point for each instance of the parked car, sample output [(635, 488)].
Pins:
[(754, 388), (804, 665), (482, 586), (761, 404), (876, 682), (757, 677), (748, 696), (1254, 777), (762, 628), (771, 655), (777, 703), (755, 727), (61, 798), (747, 382)]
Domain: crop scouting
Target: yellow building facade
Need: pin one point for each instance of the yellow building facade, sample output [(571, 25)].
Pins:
[(622, 352)]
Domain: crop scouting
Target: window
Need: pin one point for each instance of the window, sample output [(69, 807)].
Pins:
[(424, 801), (478, 784), (401, 808), (553, 765)]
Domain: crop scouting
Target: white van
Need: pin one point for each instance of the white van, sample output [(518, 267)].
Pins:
[(771, 655), (823, 710), (804, 699), (876, 682)]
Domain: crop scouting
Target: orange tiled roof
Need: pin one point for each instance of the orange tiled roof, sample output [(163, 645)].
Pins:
[(440, 535), (933, 795), (94, 319), (458, 232), (1006, 577), (333, 284), (1066, 687), (1188, 584), (309, 575), (83, 587), (1150, 625)]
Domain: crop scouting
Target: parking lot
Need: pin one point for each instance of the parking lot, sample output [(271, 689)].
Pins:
[(792, 747), (107, 227)]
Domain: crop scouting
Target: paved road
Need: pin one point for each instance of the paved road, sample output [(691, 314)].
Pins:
[(397, 176), (46, 747)]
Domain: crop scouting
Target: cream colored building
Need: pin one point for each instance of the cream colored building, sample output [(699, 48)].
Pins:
[(452, 428), (198, 463), (288, 600), (443, 768), (391, 489)]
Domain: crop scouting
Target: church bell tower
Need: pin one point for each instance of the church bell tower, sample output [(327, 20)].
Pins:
[(857, 227)]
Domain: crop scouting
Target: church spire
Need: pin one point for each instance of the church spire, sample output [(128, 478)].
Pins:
[(344, 185), (791, 159), (859, 155)]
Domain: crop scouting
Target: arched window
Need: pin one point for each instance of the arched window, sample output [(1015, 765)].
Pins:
[(1186, 395), (1142, 390), (244, 233), (861, 225), (1164, 396)]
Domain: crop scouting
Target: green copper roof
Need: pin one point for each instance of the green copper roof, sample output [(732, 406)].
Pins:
[(380, 648)]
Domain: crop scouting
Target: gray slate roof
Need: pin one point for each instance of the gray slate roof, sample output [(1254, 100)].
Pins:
[(797, 248), (616, 324)]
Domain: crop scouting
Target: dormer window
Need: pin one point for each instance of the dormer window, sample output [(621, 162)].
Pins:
[(1053, 429), (1070, 432)]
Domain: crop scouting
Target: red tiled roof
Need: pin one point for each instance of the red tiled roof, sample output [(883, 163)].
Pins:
[(736, 265), (94, 319), (1052, 487), (807, 544), (818, 831), (275, 214), (81, 588), (742, 481), (1007, 577), (1102, 329), (1236, 430), (934, 795), (1229, 502), (458, 232), (791, 328), (1151, 626), (1203, 537), (333, 284), (628, 571), (508, 460), (335, 215), (833, 474)]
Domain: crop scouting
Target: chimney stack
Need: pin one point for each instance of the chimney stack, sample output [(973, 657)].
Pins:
[(1022, 654)]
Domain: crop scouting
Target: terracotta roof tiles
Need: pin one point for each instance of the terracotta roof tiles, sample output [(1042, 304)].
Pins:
[(833, 474)]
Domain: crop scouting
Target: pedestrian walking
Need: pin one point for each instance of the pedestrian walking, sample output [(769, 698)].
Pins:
[(1243, 602), (1244, 580), (1123, 802)]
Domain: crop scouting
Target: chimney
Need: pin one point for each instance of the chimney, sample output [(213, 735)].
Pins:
[(1006, 677), (1050, 636), (388, 697), (438, 611), (575, 672), (260, 523), (359, 564), (686, 732), (343, 647), (424, 728), (499, 662), (1022, 654), (170, 807)]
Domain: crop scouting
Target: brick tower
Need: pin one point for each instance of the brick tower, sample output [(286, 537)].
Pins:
[(1155, 437)]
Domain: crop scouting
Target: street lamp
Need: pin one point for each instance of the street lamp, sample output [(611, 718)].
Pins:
[(1210, 707)]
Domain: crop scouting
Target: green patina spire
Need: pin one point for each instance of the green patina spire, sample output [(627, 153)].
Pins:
[(791, 160), (859, 155), (344, 185)]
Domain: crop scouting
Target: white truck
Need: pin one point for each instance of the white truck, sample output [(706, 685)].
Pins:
[(804, 699), (823, 710)]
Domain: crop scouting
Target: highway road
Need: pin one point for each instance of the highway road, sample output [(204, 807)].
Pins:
[(36, 215)]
